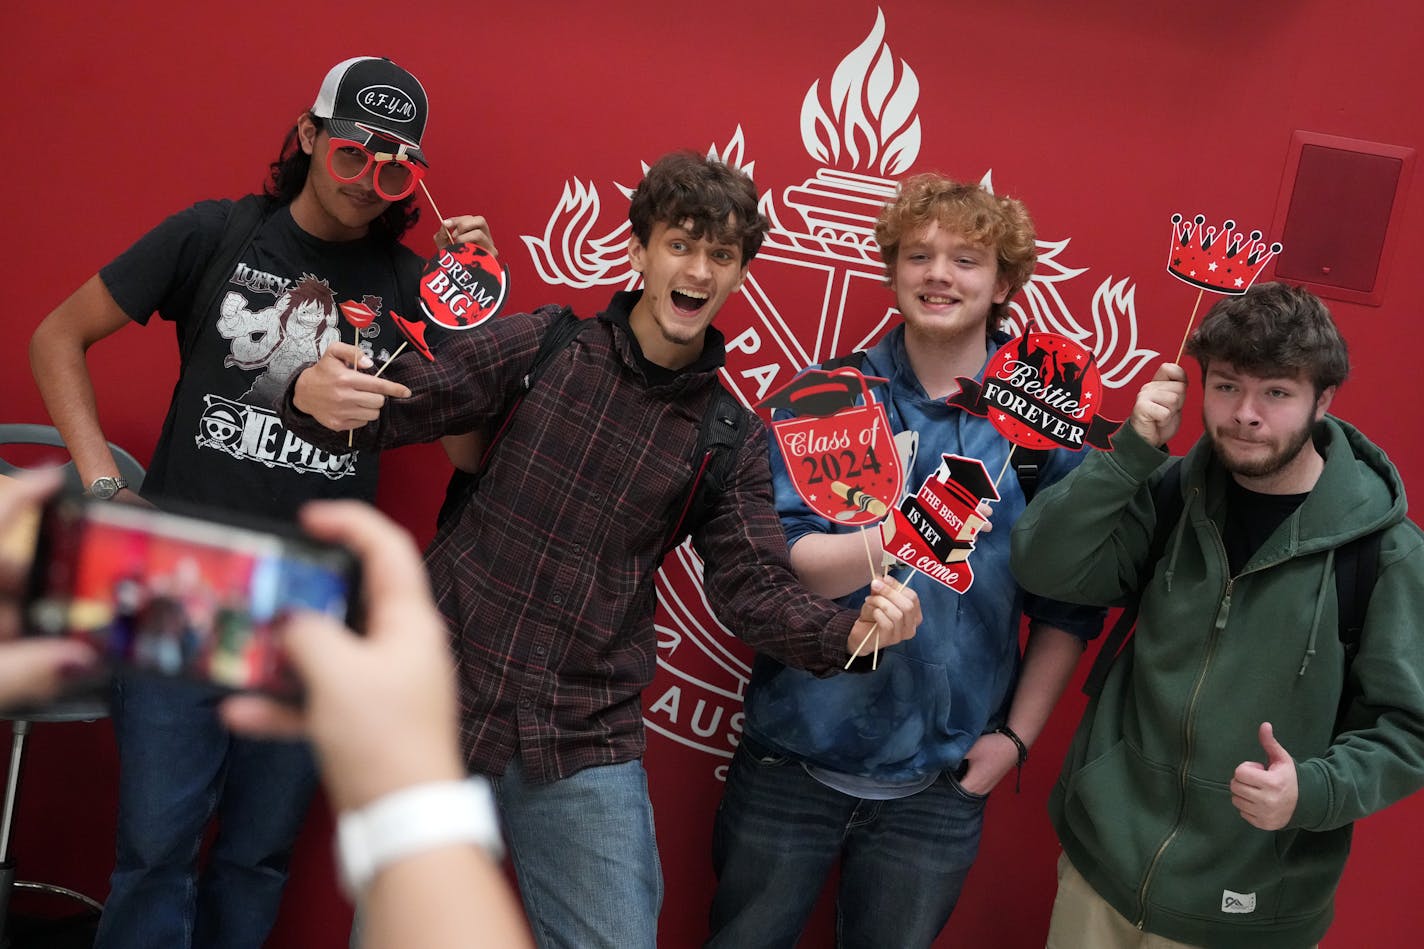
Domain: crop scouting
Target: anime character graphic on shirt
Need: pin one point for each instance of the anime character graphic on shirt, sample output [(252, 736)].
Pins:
[(289, 334)]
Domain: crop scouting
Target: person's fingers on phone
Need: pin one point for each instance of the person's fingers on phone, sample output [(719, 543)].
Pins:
[(260, 717), (26, 490), (393, 575), (33, 670), (316, 646), (313, 642), (20, 498)]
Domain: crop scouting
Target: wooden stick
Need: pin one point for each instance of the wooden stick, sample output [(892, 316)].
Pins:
[(355, 341), (387, 364), (865, 536), (861, 648), (870, 557), (1007, 459), (448, 236), (1190, 320)]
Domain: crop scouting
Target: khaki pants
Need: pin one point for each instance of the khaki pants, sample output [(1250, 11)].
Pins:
[(1083, 920)]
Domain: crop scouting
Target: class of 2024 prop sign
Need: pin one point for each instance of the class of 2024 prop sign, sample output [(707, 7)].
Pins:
[(840, 455)]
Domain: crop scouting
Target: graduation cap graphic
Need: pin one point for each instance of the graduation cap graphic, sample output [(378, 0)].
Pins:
[(934, 530), (819, 393)]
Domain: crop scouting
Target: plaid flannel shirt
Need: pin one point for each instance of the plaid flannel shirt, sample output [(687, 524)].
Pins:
[(546, 577)]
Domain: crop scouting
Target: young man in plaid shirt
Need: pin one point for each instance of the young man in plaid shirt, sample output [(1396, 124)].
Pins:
[(547, 574)]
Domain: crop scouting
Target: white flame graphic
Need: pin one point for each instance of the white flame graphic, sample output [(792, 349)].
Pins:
[(870, 110), (570, 254)]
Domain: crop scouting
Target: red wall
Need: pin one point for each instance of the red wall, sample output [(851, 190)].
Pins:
[(1105, 117)]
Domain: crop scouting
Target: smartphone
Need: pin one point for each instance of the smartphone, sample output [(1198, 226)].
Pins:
[(182, 595)]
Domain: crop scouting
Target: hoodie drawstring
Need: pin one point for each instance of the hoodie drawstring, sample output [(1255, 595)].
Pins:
[(1183, 525), (1325, 584)]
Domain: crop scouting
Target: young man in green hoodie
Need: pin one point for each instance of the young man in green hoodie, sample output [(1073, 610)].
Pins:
[(1209, 793)]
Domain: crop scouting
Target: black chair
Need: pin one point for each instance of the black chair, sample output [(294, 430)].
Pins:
[(79, 709)]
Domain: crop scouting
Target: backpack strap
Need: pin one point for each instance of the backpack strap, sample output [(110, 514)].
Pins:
[(560, 334), (1356, 570), (462, 484), (1167, 502), (849, 361), (724, 427), (244, 219), (1028, 465)]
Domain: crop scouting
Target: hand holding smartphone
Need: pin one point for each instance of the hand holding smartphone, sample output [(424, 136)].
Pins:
[(181, 595)]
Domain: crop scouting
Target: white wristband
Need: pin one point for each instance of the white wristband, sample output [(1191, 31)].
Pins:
[(411, 820)]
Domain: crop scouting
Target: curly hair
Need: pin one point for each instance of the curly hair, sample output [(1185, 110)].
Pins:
[(1273, 330), (999, 223), (288, 175), (720, 202)]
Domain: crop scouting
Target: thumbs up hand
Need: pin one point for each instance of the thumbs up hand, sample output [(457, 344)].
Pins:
[(1266, 794)]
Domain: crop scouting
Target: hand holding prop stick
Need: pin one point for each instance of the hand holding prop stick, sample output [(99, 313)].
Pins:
[(834, 437), (360, 316), (414, 333), (875, 629)]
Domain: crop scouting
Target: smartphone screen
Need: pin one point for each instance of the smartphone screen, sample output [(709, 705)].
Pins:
[(177, 595)]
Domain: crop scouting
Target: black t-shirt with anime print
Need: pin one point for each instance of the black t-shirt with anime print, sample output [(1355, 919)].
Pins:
[(223, 445)]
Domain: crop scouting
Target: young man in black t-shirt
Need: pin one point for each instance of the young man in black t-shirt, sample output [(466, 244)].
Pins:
[(325, 236)]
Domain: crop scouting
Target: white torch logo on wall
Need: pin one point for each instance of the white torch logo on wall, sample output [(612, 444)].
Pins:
[(863, 129)]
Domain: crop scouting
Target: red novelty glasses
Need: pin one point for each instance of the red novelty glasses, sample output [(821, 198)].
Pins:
[(396, 175)]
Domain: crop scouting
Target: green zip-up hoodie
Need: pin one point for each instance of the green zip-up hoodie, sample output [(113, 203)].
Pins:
[(1143, 807)]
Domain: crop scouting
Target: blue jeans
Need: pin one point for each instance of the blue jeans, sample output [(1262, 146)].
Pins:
[(178, 767), (586, 857), (779, 832)]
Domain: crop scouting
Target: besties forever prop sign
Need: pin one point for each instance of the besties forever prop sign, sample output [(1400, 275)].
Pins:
[(1041, 390)]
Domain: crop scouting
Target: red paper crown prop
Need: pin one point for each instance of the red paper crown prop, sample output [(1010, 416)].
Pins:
[(1220, 261)]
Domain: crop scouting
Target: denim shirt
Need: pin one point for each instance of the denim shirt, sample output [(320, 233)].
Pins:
[(934, 695)]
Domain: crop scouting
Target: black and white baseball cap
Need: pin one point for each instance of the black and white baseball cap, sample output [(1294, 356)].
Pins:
[(369, 98)]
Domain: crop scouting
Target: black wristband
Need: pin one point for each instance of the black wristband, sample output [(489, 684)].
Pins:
[(1009, 733)]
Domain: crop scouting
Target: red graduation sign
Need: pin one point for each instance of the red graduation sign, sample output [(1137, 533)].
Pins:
[(1041, 390), (840, 456), (934, 531), (462, 286)]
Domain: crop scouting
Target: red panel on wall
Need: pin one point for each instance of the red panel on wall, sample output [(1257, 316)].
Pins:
[(1340, 197)]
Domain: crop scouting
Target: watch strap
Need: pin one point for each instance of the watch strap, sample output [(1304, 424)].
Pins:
[(411, 820)]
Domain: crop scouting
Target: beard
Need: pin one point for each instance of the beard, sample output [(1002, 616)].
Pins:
[(1283, 452)]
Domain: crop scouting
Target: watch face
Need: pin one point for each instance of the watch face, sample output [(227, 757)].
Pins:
[(104, 488)]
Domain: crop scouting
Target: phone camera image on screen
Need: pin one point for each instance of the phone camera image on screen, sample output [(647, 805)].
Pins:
[(176, 595)]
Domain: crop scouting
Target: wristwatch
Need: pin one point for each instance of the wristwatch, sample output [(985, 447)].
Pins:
[(106, 487), (411, 820)]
